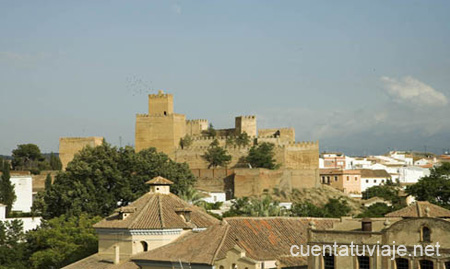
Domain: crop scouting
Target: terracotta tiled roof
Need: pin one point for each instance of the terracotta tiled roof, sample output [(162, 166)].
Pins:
[(419, 209), (96, 262), (159, 181), (369, 173), (157, 211), (261, 239), (194, 248)]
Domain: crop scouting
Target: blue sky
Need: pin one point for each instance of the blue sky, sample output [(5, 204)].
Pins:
[(361, 77)]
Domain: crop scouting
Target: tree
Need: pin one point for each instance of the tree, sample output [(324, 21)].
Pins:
[(186, 141), (389, 192), (376, 210), (100, 179), (262, 156), (61, 241), (334, 208), (12, 249), (28, 157), (264, 206), (211, 132), (242, 140), (216, 155), (48, 182), (55, 162), (7, 194), (434, 188)]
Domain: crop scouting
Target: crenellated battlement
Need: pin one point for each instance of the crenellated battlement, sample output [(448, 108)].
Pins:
[(303, 144), (197, 121), (160, 94), (250, 117)]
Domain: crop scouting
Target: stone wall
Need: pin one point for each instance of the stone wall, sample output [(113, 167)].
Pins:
[(69, 146)]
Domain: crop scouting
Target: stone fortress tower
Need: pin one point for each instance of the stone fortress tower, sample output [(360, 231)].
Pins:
[(163, 129)]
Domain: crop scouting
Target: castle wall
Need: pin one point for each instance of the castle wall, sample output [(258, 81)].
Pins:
[(284, 135), (246, 124), (195, 127), (160, 104), (193, 155), (160, 131), (69, 146)]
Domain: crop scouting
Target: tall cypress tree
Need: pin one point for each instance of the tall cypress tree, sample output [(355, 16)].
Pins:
[(7, 194), (48, 182)]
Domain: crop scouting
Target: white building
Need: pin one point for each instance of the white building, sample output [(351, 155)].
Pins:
[(28, 223), (370, 178), (23, 188), (412, 174), (214, 197)]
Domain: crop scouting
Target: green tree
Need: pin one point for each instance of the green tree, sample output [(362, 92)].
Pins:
[(7, 193), (230, 141), (55, 162), (100, 179), (186, 141), (389, 192), (334, 208), (307, 209), (61, 241), (376, 210), (264, 206), (210, 132), (434, 188), (262, 156), (216, 155), (242, 140), (12, 248), (28, 157), (48, 182)]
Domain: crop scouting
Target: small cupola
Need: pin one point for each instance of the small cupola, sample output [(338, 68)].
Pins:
[(125, 211), (159, 185)]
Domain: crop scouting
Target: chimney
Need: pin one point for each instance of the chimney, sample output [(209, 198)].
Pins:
[(366, 225), (116, 254)]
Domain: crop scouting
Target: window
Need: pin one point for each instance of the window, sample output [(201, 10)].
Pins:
[(233, 266), (374, 181), (367, 181), (165, 113), (426, 234), (402, 263), (328, 261), (348, 178), (356, 178), (447, 265), (144, 246), (328, 179), (335, 178), (364, 262), (426, 264)]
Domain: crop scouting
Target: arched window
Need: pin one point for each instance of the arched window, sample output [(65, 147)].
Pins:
[(402, 263), (328, 261), (221, 267), (144, 246), (426, 234), (363, 262), (233, 266), (426, 264)]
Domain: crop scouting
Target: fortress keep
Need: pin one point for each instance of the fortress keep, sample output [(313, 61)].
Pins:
[(163, 129)]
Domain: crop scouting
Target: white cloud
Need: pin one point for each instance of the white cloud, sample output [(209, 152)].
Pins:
[(413, 91)]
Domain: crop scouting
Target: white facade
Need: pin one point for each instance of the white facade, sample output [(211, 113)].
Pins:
[(24, 192), (321, 163), (367, 182), (28, 223), (412, 174), (215, 197), (361, 164)]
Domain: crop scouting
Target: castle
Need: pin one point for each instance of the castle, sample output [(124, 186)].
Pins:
[(163, 129)]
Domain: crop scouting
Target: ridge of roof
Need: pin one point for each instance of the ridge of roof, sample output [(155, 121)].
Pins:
[(159, 180), (161, 216), (221, 242)]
